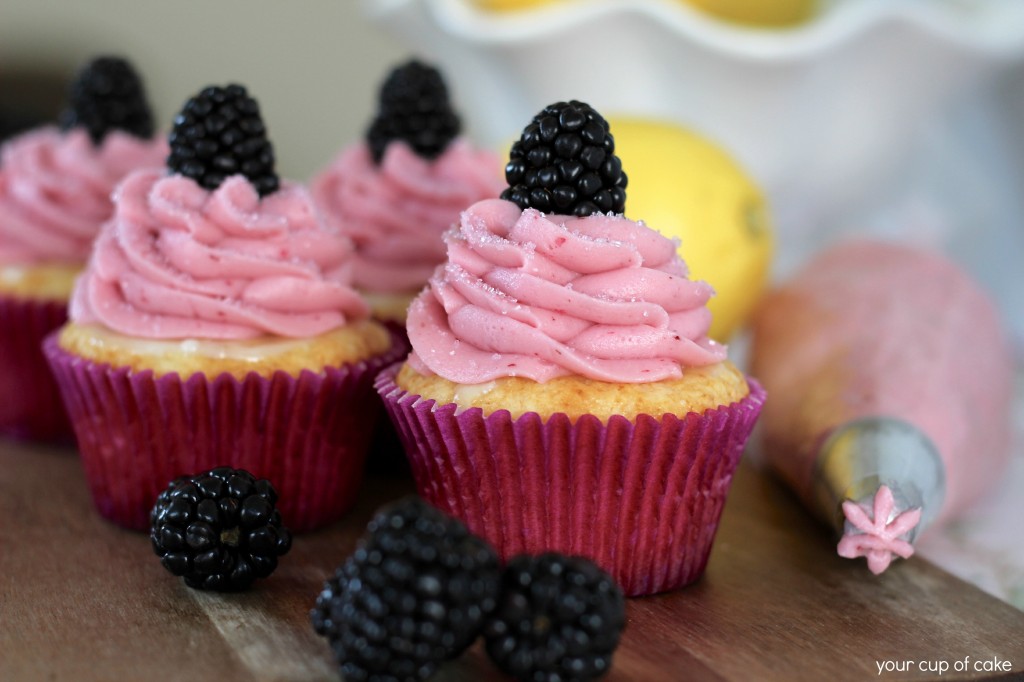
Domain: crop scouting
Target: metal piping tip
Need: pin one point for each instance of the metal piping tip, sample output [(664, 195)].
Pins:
[(879, 482)]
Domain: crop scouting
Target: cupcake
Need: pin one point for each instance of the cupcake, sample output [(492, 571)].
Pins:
[(562, 393), (55, 193), (215, 325), (397, 191)]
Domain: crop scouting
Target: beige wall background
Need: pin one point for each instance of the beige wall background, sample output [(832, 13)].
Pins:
[(314, 65)]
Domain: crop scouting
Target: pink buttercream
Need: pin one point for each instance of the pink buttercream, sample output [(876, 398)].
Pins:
[(55, 190), (878, 537), (396, 213), (538, 296), (179, 261)]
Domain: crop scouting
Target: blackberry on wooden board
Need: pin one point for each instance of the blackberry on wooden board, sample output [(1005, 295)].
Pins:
[(414, 593), (559, 619), (219, 530)]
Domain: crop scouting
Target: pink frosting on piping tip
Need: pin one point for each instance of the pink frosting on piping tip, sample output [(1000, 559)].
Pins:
[(178, 261), (55, 190), (878, 538), (397, 212), (540, 296)]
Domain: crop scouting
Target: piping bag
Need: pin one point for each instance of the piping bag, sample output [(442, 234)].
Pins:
[(890, 378)]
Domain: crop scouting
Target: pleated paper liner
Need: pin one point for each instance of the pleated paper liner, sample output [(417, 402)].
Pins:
[(307, 434), (30, 404), (642, 498)]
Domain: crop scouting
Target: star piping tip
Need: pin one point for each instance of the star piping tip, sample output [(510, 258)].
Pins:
[(881, 536)]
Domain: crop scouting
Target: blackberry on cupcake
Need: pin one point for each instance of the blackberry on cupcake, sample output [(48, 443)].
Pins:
[(565, 163), (220, 133), (108, 94), (413, 107)]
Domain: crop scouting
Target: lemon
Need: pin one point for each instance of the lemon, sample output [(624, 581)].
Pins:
[(767, 13), (686, 186), (776, 13)]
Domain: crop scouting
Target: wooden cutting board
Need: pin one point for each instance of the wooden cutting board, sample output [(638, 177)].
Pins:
[(83, 600)]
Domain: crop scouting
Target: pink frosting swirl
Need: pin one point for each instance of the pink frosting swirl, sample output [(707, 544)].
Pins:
[(55, 190), (396, 213), (537, 296), (178, 261)]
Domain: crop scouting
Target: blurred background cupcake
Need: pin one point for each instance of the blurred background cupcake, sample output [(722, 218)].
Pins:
[(394, 192), (397, 190), (55, 193)]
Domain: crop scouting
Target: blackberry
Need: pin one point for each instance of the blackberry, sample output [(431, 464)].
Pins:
[(559, 618), (105, 95), (219, 530), (414, 593), (220, 133), (565, 163), (413, 107)]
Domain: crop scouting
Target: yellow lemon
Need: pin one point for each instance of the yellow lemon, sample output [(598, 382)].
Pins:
[(685, 186), (759, 12), (774, 13)]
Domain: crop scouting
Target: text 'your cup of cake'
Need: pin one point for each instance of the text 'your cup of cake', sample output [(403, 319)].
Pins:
[(562, 392), (216, 325)]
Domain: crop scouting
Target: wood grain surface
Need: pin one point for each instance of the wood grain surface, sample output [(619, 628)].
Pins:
[(83, 600)]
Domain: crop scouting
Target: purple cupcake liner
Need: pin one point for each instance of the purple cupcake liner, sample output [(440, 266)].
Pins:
[(30, 404), (641, 498), (307, 434)]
